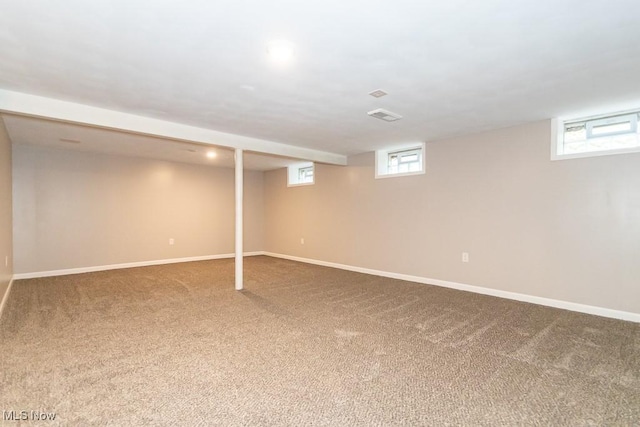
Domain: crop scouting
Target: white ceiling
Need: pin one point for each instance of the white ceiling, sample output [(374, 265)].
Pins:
[(450, 67), (47, 133)]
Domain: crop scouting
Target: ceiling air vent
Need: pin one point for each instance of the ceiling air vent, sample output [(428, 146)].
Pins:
[(385, 115), (378, 93)]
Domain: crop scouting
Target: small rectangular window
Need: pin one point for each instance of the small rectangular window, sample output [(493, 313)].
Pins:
[(300, 174), (405, 161), (595, 136), (400, 161)]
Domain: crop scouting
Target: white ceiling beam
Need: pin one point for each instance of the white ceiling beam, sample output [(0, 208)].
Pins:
[(54, 109)]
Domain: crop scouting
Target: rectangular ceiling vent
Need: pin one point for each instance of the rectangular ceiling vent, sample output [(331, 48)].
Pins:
[(385, 115)]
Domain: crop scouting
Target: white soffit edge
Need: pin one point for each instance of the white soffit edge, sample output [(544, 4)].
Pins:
[(38, 106)]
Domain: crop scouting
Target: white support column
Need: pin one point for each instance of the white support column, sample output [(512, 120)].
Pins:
[(239, 217)]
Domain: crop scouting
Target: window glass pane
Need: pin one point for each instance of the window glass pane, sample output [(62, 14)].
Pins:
[(305, 175), (612, 128), (575, 147), (573, 134), (614, 142), (409, 158)]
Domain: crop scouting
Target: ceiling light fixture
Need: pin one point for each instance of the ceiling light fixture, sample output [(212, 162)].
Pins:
[(280, 51), (211, 154)]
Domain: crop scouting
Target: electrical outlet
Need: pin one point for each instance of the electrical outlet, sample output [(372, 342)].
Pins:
[(6, 261), (172, 241), (302, 240), (465, 256)]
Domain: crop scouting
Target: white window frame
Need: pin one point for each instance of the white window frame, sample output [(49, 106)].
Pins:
[(382, 160), (294, 173), (558, 126)]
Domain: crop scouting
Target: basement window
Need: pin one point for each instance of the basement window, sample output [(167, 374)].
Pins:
[(400, 161), (300, 174), (596, 136)]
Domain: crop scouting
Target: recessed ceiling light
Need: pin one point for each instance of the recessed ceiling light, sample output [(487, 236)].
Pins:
[(280, 51), (211, 154), (70, 141), (378, 93)]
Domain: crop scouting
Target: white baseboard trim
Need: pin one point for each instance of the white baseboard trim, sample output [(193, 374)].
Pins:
[(5, 297), (79, 270), (565, 305)]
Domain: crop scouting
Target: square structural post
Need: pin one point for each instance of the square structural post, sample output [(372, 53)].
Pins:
[(239, 220)]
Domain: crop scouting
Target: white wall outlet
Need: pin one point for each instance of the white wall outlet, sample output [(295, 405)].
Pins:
[(465, 256), (302, 240), (172, 241)]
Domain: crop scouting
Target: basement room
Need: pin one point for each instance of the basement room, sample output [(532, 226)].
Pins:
[(418, 213)]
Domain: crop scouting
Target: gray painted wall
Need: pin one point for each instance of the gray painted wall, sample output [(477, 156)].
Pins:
[(567, 230), (74, 209), (6, 271)]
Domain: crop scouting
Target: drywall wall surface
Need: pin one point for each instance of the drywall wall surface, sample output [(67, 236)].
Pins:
[(74, 209), (6, 222), (566, 230)]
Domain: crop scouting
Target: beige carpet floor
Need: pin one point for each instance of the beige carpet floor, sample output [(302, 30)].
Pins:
[(304, 345)]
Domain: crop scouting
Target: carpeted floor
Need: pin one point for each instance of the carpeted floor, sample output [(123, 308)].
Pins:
[(304, 345)]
